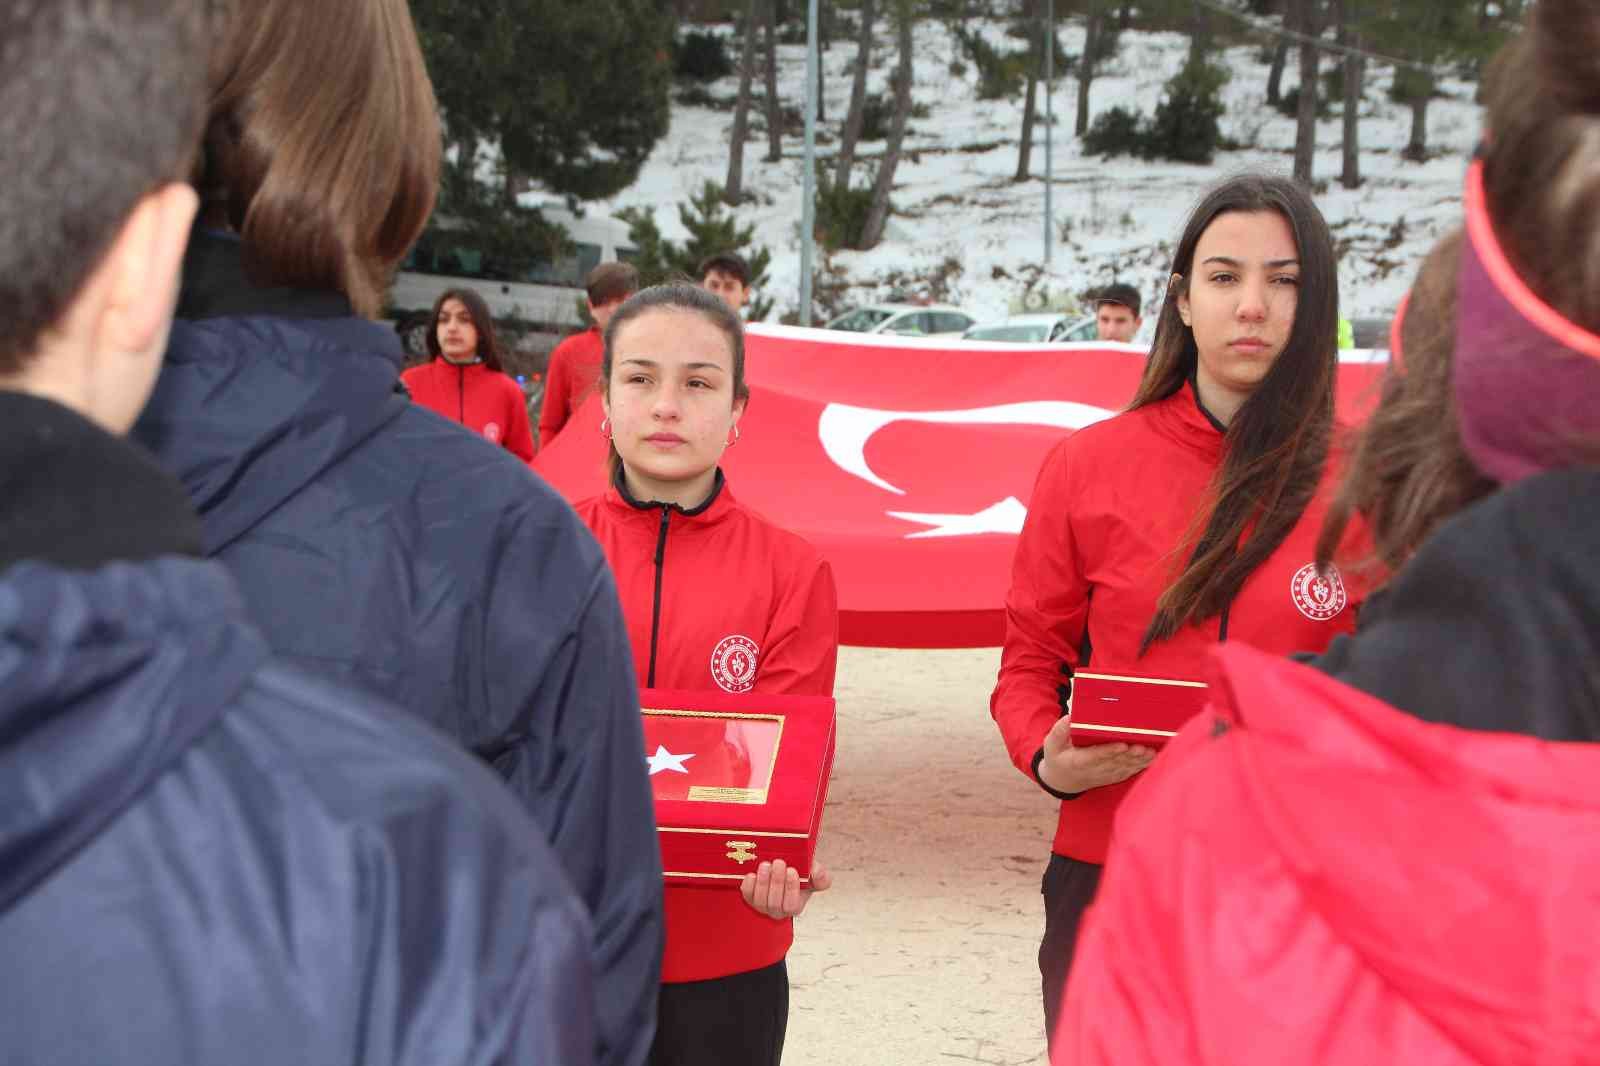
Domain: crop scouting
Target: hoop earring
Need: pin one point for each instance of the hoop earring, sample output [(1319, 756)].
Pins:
[(605, 427), (735, 439)]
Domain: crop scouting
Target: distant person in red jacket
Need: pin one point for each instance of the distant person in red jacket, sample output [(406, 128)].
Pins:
[(1189, 518), (727, 275), (574, 367), (466, 379), (716, 598)]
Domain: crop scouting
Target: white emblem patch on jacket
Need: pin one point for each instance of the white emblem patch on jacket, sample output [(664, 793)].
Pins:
[(492, 431), (1319, 597), (733, 663)]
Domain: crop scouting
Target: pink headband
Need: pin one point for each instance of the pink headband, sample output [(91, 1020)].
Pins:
[(1527, 380)]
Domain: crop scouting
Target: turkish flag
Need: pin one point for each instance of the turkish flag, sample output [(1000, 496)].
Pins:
[(907, 462), (682, 753)]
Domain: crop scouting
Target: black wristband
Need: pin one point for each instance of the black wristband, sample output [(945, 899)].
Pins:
[(1038, 757)]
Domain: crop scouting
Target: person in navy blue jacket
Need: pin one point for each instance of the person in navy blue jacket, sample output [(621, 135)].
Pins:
[(205, 856), (374, 542)]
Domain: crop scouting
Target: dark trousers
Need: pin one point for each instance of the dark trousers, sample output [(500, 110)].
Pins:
[(1069, 888), (728, 1021)]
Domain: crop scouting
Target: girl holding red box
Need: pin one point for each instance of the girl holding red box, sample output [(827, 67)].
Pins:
[(716, 598), (1407, 866), (1188, 519)]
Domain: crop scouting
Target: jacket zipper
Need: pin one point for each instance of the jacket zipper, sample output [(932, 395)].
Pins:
[(461, 394), (655, 610)]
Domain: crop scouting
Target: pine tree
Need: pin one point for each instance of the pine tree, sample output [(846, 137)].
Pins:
[(1430, 33), (712, 229), (574, 94)]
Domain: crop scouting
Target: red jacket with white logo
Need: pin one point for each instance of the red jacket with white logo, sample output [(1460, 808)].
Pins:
[(569, 378), (485, 401), (1113, 505), (718, 598), (1312, 876)]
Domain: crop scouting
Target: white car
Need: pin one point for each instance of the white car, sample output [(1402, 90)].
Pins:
[(1043, 328), (915, 320)]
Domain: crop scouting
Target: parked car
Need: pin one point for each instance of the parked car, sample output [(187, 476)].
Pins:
[(1043, 328), (916, 320), (1371, 332)]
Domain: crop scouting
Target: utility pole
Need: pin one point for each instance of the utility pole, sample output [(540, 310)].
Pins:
[(1049, 116), (808, 191)]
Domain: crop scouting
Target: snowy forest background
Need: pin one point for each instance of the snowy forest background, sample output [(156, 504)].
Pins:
[(685, 118)]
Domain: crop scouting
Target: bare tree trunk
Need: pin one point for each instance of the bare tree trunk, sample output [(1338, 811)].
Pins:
[(733, 188), (1280, 59), (1030, 110), (1029, 114), (858, 98), (1199, 34), (774, 105), (1280, 54), (824, 25), (1354, 72), (1093, 28), (878, 211), (1417, 150), (1305, 138)]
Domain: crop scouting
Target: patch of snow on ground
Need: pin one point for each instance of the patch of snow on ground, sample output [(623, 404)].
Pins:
[(1119, 218)]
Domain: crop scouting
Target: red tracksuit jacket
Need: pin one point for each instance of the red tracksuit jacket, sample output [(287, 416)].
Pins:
[(1311, 876), (692, 583), (571, 375), (1111, 509), (485, 401)]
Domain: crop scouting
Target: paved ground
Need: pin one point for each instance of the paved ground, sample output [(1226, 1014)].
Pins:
[(924, 950)]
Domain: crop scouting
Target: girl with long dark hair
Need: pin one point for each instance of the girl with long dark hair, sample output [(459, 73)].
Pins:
[(1188, 519), (1390, 854), (466, 380)]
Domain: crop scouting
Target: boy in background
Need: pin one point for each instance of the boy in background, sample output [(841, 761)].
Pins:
[(726, 275), (1117, 313), (574, 365)]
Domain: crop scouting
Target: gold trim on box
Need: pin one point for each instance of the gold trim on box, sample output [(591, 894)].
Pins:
[(1125, 729), (721, 793), (726, 794), (1140, 680), (734, 832), (717, 877)]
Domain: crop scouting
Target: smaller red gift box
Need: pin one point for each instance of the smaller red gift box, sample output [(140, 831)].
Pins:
[(1131, 708), (738, 780)]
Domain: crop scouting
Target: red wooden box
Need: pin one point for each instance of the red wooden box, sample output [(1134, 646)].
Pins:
[(1131, 708), (738, 780)]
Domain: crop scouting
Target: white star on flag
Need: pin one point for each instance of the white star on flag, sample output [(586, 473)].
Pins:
[(665, 760)]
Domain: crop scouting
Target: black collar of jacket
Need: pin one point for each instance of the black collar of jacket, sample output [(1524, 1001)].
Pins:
[(75, 496), (1194, 390), (217, 284), (627, 497)]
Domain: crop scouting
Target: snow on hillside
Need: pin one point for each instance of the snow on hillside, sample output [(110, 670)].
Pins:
[(955, 200)]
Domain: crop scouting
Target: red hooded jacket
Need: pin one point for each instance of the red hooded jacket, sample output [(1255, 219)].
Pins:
[(569, 378), (1311, 876), (694, 583), (485, 401), (1112, 507)]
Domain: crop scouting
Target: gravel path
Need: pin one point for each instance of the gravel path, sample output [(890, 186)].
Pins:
[(924, 949)]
